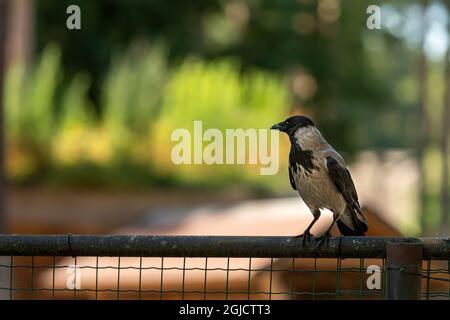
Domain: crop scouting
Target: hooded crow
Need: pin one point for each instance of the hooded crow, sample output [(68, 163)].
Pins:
[(320, 175)]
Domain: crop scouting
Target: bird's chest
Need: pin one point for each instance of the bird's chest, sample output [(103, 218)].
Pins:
[(305, 176), (315, 186)]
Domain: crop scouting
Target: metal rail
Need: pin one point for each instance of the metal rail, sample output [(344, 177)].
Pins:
[(210, 246)]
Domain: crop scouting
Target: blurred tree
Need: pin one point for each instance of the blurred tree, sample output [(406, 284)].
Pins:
[(19, 41), (445, 201), (445, 205), (422, 115), (4, 7)]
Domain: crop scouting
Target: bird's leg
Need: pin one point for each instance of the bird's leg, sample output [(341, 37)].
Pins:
[(306, 235), (324, 238), (327, 234)]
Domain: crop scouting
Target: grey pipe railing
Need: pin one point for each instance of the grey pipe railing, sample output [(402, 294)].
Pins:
[(210, 246)]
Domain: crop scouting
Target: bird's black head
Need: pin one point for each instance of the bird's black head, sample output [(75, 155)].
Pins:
[(292, 124)]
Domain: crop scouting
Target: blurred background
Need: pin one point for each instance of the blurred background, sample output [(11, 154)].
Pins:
[(88, 114)]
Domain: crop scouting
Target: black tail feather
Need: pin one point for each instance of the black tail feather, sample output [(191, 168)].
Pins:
[(343, 229), (347, 231)]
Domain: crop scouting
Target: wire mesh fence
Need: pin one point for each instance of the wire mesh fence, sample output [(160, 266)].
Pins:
[(144, 267)]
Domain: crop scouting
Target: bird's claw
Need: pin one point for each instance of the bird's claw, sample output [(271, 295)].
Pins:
[(305, 236), (324, 238)]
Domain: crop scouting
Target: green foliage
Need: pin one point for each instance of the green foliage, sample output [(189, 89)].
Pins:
[(74, 122), (131, 95), (77, 109), (142, 103), (30, 100), (222, 97)]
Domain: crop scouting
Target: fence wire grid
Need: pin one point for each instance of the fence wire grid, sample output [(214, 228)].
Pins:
[(133, 267)]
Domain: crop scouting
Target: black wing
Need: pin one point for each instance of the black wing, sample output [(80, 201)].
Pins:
[(291, 179), (344, 183)]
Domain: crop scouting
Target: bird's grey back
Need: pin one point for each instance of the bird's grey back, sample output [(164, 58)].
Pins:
[(310, 138)]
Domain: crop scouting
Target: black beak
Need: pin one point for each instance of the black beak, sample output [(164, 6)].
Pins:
[(279, 126)]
